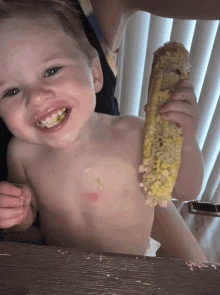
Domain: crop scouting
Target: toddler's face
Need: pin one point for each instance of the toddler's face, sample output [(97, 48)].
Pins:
[(41, 74)]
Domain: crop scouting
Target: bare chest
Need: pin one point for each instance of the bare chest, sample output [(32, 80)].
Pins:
[(98, 180), (87, 199)]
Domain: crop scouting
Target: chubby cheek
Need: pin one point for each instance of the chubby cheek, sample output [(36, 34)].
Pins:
[(17, 123), (18, 120), (81, 93), (86, 105), (10, 117)]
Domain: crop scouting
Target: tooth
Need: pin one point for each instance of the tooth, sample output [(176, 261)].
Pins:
[(53, 120), (48, 120)]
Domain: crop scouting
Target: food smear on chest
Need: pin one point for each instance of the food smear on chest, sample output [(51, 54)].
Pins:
[(94, 177)]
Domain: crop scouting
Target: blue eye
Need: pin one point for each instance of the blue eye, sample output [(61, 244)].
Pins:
[(56, 69), (53, 70), (11, 91)]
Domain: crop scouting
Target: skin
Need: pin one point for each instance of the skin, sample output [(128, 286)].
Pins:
[(184, 9), (75, 138), (113, 24)]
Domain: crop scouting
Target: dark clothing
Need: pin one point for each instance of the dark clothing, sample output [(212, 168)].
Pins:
[(106, 102), (5, 137)]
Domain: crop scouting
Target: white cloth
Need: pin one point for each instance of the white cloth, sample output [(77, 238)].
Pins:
[(152, 248)]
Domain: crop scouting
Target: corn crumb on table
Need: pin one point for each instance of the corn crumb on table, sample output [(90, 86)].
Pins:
[(162, 139)]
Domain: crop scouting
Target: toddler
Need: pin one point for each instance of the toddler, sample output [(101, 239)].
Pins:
[(78, 168)]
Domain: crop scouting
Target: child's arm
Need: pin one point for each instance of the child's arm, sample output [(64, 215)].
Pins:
[(175, 237), (183, 109), (16, 175), (190, 177)]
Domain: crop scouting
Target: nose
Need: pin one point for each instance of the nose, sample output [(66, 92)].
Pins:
[(38, 95)]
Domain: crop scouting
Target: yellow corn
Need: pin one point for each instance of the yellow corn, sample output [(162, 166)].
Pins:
[(162, 139)]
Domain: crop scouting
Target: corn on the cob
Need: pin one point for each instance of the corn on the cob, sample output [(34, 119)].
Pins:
[(162, 139)]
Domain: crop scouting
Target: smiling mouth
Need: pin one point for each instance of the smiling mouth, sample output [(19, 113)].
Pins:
[(54, 119)]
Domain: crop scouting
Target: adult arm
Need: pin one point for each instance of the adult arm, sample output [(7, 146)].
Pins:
[(179, 9), (113, 15)]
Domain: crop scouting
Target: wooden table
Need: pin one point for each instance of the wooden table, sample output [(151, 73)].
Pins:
[(32, 269)]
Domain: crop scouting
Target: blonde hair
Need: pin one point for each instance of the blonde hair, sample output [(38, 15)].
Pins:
[(61, 13)]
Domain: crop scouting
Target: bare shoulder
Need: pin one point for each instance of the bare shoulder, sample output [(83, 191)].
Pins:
[(15, 155), (131, 123), (16, 152), (19, 153), (19, 150), (132, 131)]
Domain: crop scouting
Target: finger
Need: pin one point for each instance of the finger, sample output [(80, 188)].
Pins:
[(181, 107), (9, 189), (10, 202), (187, 123), (10, 222), (7, 213), (25, 191), (184, 84), (185, 94)]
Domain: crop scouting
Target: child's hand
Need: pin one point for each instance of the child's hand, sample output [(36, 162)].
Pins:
[(15, 200), (182, 108)]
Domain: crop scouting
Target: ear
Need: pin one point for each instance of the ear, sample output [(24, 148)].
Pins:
[(97, 75)]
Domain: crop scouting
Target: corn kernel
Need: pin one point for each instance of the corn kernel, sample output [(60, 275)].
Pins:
[(99, 181), (163, 139)]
